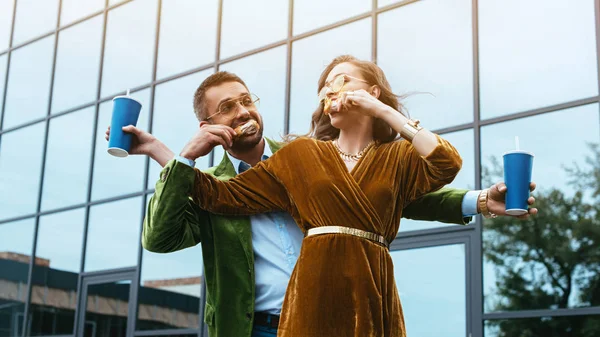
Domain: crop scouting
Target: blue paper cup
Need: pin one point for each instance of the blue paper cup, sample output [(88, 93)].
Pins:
[(517, 176), (126, 111)]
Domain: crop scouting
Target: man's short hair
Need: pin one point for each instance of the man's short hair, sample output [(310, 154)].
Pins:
[(213, 80)]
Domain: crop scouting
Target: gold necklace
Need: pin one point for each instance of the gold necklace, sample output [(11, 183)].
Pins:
[(350, 156)]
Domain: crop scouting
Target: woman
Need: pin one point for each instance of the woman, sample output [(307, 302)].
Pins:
[(346, 189)]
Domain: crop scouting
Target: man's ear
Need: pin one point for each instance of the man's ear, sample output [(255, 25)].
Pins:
[(375, 91), (202, 123)]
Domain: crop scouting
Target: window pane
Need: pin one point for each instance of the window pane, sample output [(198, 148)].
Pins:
[(107, 309), (431, 283), (54, 294), (188, 31), (129, 46), (441, 87), (68, 159), (545, 262), (309, 15), (73, 10), (463, 142), (307, 66), (580, 326), (16, 239), (6, 16), (264, 75), (19, 173), (29, 83), (170, 290), (3, 60), (113, 235), (546, 56), (78, 58), (34, 18), (174, 121), (118, 176), (247, 25)]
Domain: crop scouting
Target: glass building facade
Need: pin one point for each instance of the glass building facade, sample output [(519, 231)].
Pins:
[(479, 72)]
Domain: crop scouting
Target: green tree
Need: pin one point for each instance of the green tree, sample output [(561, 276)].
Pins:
[(551, 260)]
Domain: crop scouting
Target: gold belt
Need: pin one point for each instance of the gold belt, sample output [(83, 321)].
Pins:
[(347, 230)]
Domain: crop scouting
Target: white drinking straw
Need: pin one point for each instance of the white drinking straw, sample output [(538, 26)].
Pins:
[(517, 142), (127, 92)]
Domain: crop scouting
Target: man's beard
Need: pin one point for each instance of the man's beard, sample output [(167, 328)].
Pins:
[(247, 142)]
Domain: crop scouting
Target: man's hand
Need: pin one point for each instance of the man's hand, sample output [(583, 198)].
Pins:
[(206, 138), (142, 141), (145, 143), (497, 205)]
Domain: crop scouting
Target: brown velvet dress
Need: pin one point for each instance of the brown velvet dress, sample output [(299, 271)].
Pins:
[(342, 285)]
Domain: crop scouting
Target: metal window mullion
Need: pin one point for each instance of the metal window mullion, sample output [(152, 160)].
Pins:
[(26, 319), (374, 26), (5, 91), (211, 158), (91, 169), (523, 314), (134, 300), (288, 69), (475, 296), (597, 17)]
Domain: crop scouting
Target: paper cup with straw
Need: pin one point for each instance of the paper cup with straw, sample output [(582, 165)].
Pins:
[(518, 167), (126, 111)]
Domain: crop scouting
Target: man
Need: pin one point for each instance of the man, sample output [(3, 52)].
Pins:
[(248, 260)]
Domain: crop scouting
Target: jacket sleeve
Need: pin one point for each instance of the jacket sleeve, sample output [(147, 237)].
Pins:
[(173, 221), (258, 190), (444, 205), (421, 175)]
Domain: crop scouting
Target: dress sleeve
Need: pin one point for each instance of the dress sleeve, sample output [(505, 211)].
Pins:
[(257, 190), (421, 175)]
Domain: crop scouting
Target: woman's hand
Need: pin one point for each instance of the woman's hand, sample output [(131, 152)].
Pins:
[(367, 102)]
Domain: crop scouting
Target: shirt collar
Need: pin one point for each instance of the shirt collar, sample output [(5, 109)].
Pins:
[(237, 162)]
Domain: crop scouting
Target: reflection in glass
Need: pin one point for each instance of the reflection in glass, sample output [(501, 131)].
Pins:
[(187, 35), (174, 121), (19, 173), (546, 261), (441, 87), (29, 83), (113, 235), (246, 25), (264, 75), (6, 16), (310, 56), (580, 326), (431, 283), (537, 60), (170, 283), (16, 239), (463, 142), (54, 293), (129, 42), (118, 176), (77, 61), (309, 15), (34, 18), (107, 308), (73, 10), (68, 159)]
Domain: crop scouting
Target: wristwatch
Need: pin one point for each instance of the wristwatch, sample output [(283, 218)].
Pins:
[(482, 202), (410, 129)]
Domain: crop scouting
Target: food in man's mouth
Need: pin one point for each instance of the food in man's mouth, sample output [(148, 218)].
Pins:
[(249, 128)]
